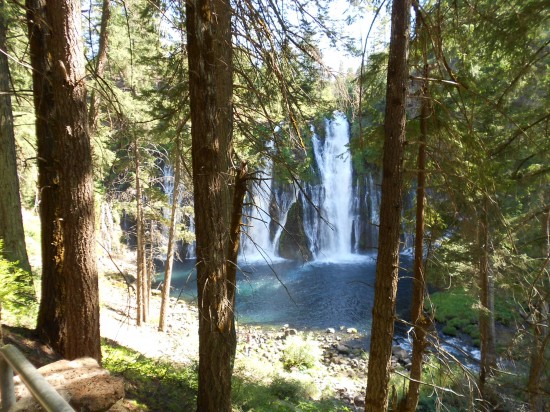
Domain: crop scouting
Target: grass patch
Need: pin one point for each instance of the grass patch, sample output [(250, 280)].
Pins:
[(154, 385)]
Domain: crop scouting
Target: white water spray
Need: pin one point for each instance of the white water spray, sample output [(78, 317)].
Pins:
[(334, 163)]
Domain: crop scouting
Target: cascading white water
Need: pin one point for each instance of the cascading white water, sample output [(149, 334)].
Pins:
[(284, 199), (168, 183), (266, 215), (334, 164), (191, 247), (256, 242), (107, 228), (338, 219)]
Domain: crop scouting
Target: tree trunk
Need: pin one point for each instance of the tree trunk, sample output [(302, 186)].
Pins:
[(150, 262), (211, 90), (541, 339), (539, 314), (487, 293), (234, 242), (11, 220), (48, 190), (165, 302), (69, 310), (387, 265), (140, 236), (101, 61), (421, 322)]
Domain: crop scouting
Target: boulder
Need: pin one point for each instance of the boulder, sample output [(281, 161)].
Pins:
[(343, 349), (82, 382), (331, 330), (351, 330), (291, 332), (399, 352), (359, 400)]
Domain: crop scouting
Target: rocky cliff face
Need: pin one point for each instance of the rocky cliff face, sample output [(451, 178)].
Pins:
[(293, 243)]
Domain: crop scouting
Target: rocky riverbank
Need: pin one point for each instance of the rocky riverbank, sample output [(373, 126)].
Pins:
[(341, 367), (337, 358)]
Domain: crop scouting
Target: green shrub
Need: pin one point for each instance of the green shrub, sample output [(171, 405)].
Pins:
[(16, 293), (300, 353), (444, 375), (287, 389), (459, 323), (472, 330), (450, 330), (281, 395), (458, 311), (456, 304)]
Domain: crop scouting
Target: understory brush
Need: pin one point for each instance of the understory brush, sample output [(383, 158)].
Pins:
[(17, 298), (152, 384), (283, 394), (161, 385), (458, 311), (301, 353), (447, 386)]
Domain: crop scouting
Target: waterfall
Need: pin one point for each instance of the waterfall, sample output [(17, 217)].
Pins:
[(168, 184), (283, 199), (108, 232), (366, 206), (314, 194), (330, 211), (265, 215), (330, 217), (335, 198), (191, 249), (256, 242)]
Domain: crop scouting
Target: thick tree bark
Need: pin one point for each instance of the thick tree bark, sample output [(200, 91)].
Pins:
[(165, 302), (387, 265), (211, 91), (420, 321), (101, 62), (48, 189), (69, 310), (11, 221), (487, 293)]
